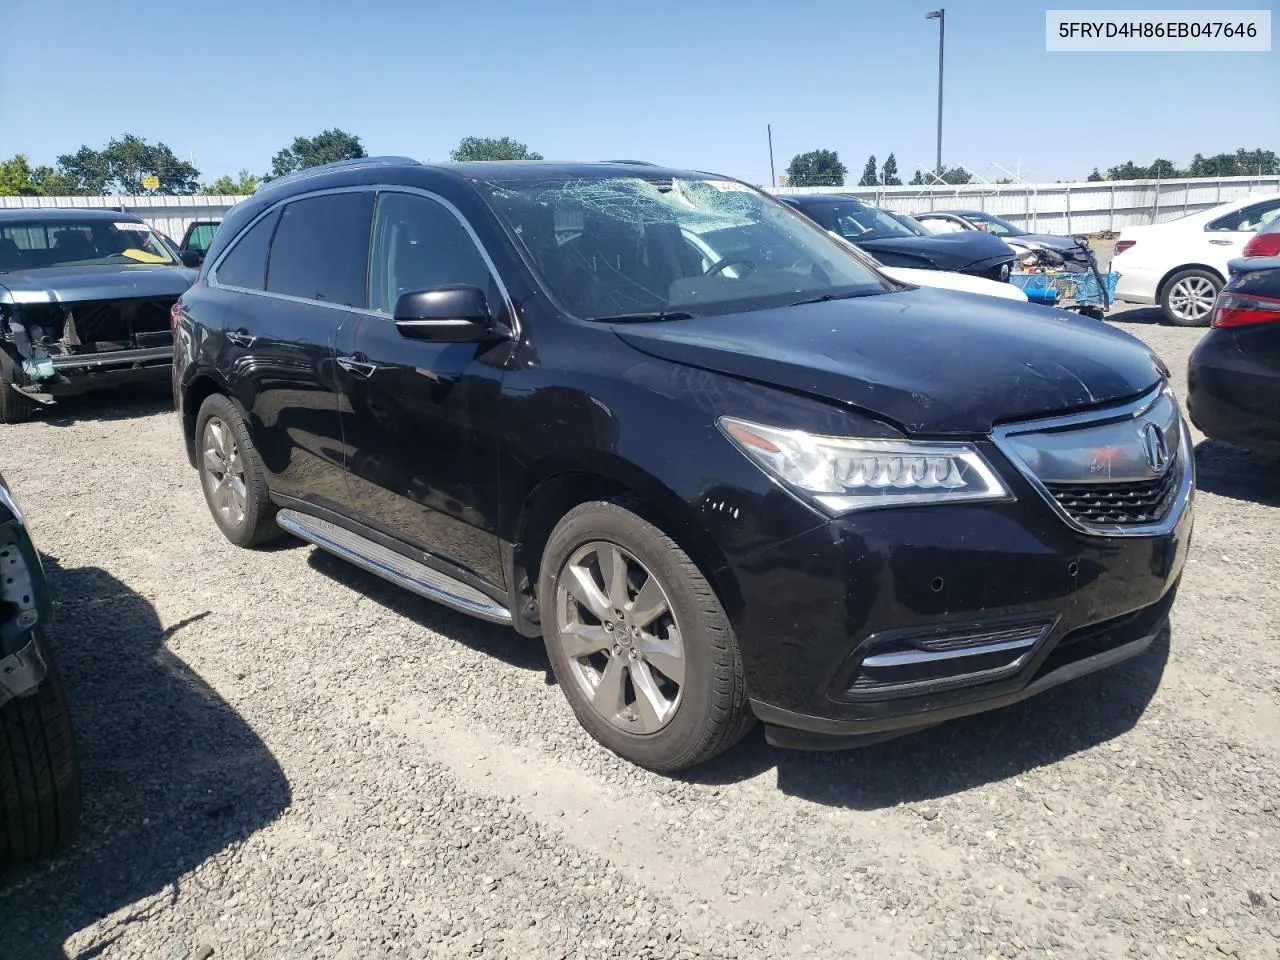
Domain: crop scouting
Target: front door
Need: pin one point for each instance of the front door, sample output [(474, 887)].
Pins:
[(418, 417)]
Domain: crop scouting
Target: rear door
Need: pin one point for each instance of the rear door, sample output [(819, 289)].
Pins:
[(420, 418), (280, 342)]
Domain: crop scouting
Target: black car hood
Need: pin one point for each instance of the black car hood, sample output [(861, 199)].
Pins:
[(948, 251), (63, 284), (928, 361)]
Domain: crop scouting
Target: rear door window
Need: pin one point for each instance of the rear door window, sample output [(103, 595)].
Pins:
[(321, 249), (246, 264)]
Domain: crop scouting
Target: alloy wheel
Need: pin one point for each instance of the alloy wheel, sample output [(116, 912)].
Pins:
[(1191, 299), (620, 635), (224, 470)]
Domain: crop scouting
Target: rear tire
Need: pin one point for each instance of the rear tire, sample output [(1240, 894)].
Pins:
[(665, 691), (15, 407), (39, 772), (231, 475), (1187, 297)]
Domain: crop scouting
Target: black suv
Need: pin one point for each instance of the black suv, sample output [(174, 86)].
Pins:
[(725, 468)]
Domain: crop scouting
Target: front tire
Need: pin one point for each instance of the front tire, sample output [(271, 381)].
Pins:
[(39, 772), (14, 406), (639, 642), (232, 476), (1187, 297)]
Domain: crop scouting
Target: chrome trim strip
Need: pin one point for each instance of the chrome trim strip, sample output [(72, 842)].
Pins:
[(905, 657), (1129, 411), (391, 566)]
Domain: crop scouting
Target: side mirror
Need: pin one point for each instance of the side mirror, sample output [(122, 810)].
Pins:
[(191, 258), (454, 313)]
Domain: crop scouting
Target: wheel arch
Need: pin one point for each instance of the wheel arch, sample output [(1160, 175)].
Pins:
[(553, 488), (197, 391), (1170, 274)]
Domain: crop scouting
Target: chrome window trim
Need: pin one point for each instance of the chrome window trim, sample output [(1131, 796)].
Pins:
[(1128, 411), (363, 311)]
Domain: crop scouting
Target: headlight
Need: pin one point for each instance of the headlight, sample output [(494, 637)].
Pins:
[(841, 474)]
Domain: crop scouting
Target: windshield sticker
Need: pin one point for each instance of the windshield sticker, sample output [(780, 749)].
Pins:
[(728, 186), (143, 257), (129, 225)]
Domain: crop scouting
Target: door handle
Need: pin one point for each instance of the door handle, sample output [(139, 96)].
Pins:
[(1223, 243), (358, 366), (241, 338)]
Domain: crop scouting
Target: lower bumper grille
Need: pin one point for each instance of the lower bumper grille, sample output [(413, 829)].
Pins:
[(915, 661), (1124, 504)]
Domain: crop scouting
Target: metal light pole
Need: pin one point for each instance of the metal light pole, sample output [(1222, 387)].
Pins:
[(773, 177), (941, 17)]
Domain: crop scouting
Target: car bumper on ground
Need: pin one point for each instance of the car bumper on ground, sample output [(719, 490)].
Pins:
[(1231, 394), (900, 619)]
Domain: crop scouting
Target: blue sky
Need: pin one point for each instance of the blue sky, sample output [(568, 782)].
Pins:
[(680, 83)]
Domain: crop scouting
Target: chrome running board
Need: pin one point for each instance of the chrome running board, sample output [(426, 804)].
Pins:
[(398, 569)]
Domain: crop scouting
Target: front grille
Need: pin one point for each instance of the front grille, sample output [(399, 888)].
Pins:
[(1118, 504)]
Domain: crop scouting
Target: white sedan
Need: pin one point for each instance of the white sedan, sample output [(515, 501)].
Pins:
[(1182, 264)]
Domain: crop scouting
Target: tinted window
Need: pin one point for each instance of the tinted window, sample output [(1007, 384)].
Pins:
[(321, 248), (246, 264), (201, 237), (419, 244)]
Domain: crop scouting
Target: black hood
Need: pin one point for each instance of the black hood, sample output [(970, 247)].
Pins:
[(948, 251), (70, 284), (928, 361)]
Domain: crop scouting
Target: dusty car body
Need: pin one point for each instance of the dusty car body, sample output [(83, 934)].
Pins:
[(84, 303)]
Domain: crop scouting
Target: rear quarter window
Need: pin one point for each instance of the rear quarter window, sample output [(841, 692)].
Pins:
[(246, 264)]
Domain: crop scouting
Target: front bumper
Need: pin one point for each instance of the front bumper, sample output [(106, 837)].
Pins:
[(1231, 394), (1052, 602), (79, 373)]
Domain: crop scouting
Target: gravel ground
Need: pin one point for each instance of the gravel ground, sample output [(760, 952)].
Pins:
[(286, 758)]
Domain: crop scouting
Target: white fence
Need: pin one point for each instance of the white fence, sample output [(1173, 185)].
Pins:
[(1066, 208), (171, 215), (1063, 208)]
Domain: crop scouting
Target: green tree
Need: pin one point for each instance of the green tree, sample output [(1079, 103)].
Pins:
[(491, 148), (920, 180), (1253, 163), (1164, 169), (120, 166), (1095, 176), (817, 168), (17, 179), (328, 146), (55, 183), (242, 186), (889, 172), (956, 175), (869, 173)]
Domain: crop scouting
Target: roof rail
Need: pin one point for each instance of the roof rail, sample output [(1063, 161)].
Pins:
[(353, 164), (636, 163)]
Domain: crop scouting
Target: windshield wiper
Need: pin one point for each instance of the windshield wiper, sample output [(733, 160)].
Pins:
[(835, 296), (645, 317)]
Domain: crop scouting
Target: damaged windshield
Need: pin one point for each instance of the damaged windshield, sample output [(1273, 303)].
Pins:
[(39, 245), (661, 247)]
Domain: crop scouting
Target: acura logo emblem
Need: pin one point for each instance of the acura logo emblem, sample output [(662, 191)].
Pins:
[(1155, 447)]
